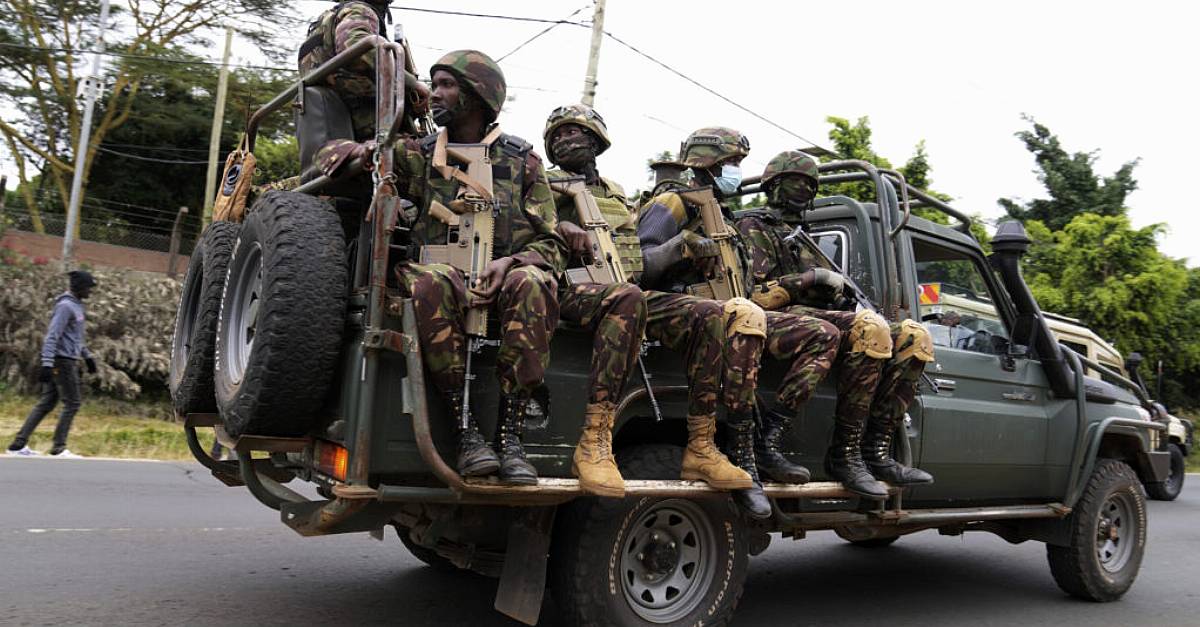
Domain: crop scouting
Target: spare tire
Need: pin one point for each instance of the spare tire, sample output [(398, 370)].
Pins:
[(194, 341), (282, 317)]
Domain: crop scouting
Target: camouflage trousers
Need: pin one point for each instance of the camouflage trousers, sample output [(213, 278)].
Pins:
[(527, 310), (810, 345), (715, 367), (866, 386), (615, 314)]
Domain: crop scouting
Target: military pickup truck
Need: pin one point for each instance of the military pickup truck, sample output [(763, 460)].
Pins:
[(295, 346)]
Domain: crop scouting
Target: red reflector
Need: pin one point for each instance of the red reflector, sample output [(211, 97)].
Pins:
[(333, 460)]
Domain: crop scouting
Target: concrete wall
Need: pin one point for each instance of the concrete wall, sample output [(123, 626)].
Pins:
[(92, 253)]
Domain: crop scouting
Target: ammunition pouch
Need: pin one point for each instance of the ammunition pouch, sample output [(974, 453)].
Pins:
[(743, 317), (914, 341), (871, 334)]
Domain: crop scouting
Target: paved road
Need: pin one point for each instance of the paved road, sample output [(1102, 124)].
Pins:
[(109, 542)]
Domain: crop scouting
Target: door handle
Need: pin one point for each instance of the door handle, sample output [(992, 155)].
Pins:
[(1019, 396), (945, 384)]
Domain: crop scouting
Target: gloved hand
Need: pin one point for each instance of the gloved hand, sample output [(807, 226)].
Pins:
[(830, 279), (91, 365), (702, 250), (46, 375), (796, 284)]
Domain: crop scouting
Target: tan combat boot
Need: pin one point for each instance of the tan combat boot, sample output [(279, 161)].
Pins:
[(703, 462), (593, 462)]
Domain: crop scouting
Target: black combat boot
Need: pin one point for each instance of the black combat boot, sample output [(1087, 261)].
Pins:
[(475, 457), (771, 461), (741, 446), (514, 468), (844, 462), (877, 452)]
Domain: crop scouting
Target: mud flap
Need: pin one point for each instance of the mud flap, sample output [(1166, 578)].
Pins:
[(523, 579)]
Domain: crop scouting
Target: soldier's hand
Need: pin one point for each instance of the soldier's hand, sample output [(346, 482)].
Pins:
[(703, 252), (46, 375), (418, 99), (91, 365), (576, 238), (796, 284), (829, 279), (490, 281)]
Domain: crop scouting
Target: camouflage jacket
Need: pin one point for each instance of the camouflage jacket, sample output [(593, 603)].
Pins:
[(333, 32), (524, 227), (615, 207), (667, 215), (763, 231)]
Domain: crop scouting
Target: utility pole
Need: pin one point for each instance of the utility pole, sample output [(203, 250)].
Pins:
[(173, 249), (91, 87), (589, 80), (214, 140)]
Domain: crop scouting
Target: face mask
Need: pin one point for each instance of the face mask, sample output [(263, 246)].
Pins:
[(441, 115), (575, 151), (729, 180), (791, 194)]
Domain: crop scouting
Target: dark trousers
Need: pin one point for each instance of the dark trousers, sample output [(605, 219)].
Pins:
[(65, 386)]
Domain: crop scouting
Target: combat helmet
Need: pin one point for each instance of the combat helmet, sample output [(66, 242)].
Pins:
[(790, 162), (582, 115), (705, 147), (479, 72)]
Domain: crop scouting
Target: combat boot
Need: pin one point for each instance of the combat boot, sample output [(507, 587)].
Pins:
[(771, 461), (593, 462), (877, 453), (475, 457), (752, 499), (843, 461), (703, 462), (515, 469)]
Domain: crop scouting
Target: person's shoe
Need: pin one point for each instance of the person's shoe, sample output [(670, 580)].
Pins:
[(24, 451), (752, 500), (475, 457), (703, 462), (515, 468), (65, 454), (767, 453), (844, 462), (593, 462), (877, 453)]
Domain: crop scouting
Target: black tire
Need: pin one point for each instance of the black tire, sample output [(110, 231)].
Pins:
[(194, 341), (1169, 490), (598, 542), (282, 316), (1108, 536), (866, 543), (425, 554)]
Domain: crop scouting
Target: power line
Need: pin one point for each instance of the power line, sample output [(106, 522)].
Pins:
[(152, 159), (511, 18), (543, 32), (144, 57)]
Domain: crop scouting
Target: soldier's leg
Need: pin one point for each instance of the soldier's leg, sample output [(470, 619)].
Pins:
[(528, 311), (439, 301), (616, 316), (745, 331), (896, 391), (695, 328), (46, 402)]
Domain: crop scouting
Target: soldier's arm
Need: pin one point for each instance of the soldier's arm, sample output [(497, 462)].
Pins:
[(545, 249), (661, 235), (355, 22), (764, 258)]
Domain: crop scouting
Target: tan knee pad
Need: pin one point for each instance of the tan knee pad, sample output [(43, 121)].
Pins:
[(770, 296), (915, 340), (743, 317), (870, 334)]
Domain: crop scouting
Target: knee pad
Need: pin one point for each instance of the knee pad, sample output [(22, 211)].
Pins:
[(771, 296), (914, 341), (870, 334), (743, 317)]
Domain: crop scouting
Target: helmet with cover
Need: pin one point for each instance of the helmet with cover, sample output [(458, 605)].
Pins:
[(706, 147), (582, 115), (479, 72)]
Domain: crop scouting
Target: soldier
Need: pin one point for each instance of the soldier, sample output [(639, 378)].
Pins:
[(879, 364), (468, 93), (678, 254), (574, 136)]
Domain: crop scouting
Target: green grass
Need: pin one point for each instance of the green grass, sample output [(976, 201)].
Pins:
[(103, 428), (1193, 460)]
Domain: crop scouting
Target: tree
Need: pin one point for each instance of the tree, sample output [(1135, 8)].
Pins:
[(44, 60), (1071, 181)]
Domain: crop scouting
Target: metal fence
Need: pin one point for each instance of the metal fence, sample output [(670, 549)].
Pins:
[(111, 230)]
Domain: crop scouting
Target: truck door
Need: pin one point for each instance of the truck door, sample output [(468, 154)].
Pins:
[(984, 433)]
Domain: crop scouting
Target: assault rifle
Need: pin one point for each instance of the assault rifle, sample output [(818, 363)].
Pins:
[(471, 218), (603, 265), (727, 282)]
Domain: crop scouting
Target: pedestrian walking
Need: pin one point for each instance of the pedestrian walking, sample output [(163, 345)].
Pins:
[(62, 350)]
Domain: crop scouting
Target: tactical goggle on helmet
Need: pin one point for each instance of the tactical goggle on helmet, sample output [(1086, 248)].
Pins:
[(708, 146), (582, 115)]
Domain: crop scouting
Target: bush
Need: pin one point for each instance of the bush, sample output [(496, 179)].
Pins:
[(130, 317)]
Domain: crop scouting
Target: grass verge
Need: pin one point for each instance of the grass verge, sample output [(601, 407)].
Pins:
[(103, 428)]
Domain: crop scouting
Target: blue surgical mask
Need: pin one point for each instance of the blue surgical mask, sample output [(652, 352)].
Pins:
[(730, 179)]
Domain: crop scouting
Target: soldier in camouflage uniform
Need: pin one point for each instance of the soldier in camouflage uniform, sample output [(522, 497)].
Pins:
[(468, 93), (879, 364), (575, 135), (678, 254)]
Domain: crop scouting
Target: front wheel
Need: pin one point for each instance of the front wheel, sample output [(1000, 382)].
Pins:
[(1169, 490), (649, 561), (1107, 536)]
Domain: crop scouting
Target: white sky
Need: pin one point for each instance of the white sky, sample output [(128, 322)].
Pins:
[(1118, 77)]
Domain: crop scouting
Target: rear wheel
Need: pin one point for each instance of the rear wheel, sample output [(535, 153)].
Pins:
[(1107, 536), (648, 561), (282, 317), (1169, 490), (194, 341)]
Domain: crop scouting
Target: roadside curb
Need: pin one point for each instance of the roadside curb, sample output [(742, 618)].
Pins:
[(94, 459)]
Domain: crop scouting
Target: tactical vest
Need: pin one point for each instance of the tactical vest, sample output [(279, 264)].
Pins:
[(786, 260), (612, 204), (320, 46)]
